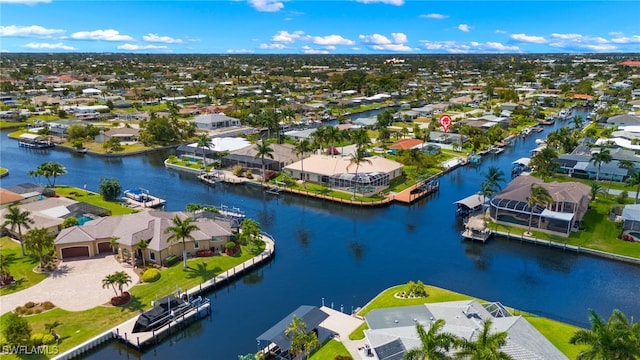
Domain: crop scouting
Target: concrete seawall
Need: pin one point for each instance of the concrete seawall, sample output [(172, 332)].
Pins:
[(209, 285)]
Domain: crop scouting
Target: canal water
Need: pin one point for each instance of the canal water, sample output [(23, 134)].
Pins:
[(344, 256)]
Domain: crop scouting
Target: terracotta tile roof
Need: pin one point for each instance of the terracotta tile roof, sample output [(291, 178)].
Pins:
[(405, 144)]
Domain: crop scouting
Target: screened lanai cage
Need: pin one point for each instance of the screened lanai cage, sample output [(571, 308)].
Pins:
[(361, 183)]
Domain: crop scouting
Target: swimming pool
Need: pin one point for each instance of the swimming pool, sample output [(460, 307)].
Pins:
[(83, 219)]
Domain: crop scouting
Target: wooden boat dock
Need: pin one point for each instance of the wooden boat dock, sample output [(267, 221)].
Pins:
[(140, 198), (475, 228)]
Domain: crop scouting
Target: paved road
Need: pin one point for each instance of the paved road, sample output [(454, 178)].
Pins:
[(75, 285)]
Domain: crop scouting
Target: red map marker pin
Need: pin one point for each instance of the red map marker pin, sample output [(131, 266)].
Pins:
[(445, 122)]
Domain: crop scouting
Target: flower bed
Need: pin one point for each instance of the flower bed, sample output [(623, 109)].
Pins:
[(31, 308), (121, 300), (204, 253)]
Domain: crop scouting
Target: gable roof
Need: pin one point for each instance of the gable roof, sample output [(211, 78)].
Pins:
[(520, 188), (405, 144), (312, 316)]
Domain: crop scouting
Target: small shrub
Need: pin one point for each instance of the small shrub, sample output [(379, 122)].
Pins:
[(48, 305), (30, 304), (48, 339), (36, 339), (37, 310), (151, 275), (19, 310), (204, 253), (622, 197), (3, 341), (237, 170), (28, 311), (171, 260), (248, 174), (342, 357)]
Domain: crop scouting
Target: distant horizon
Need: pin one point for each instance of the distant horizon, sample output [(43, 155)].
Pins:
[(338, 27)]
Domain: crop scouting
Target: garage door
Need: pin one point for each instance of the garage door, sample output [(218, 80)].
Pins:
[(75, 251), (104, 247)]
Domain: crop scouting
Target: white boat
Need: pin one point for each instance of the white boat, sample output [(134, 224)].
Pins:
[(540, 141)]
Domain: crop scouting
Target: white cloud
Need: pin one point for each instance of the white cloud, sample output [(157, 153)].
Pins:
[(388, 2), (434, 16), (25, 2), (524, 38), (107, 35), (381, 43), (239, 51), (464, 27), (161, 39), (330, 40), (134, 47), (626, 39), (330, 47), (375, 39), (266, 5), (500, 31), (26, 31), (308, 50), (581, 42), (455, 47), (287, 37), (48, 46), (272, 46)]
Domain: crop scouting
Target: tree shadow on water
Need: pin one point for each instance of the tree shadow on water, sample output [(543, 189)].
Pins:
[(200, 271)]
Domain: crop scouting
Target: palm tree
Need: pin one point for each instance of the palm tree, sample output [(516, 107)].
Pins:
[(494, 177), (300, 339), (181, 230), (50, 170), (318, 137), (110, 280), (39, 241), (614, 339), (332, 135), (577, 122), (486, 346), (634, 180), (121, 278), (603, 156), (538, 195), (263, 149), (142, 246), (544, 161), (357, 158), (113, 243), (204, 142), (435, 344), (595, 190), (301, 149), (16, 218), (360, 137)]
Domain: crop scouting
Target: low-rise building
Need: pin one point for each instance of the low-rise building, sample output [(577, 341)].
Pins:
[(215, 121), (94, 237)]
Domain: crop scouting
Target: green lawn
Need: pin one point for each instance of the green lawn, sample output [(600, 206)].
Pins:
[(11, 124), (556, 332), (330, 350), (324, 190), (21, 268), (599, 233), (80, 195), (80, 326)]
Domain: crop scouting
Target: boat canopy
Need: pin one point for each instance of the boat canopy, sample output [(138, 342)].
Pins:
[(523, 161), (473, 201)]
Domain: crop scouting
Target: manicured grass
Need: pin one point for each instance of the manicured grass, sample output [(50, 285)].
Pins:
[(11, 124), (599, 233), (21, 268), (330, 350), (323, 190), (80, 195), (556, 332), (80, 326), (190, 164)]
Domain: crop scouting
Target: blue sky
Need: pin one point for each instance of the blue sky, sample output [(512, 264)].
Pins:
[(320, 27)]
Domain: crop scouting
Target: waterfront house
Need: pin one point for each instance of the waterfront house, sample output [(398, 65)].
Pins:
[(392, 331), (623, 120), (283, 154), (220, 145), (124, 134), (581, 166), (571, 201), (93, 238), (335, 172), (631, 219), (215, 121)]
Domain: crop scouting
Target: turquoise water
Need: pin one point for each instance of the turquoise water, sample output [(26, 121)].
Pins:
[(510, 219), (83, 219)]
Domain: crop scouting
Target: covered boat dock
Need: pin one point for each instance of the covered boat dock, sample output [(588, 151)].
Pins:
[(470, 204)]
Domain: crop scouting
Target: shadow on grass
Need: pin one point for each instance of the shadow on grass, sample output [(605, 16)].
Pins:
[(200, 271), (134, 305)]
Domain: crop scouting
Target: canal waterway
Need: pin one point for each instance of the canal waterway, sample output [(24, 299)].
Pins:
[(344, 256)]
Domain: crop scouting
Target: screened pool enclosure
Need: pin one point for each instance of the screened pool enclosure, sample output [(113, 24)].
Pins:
[(361, 183)]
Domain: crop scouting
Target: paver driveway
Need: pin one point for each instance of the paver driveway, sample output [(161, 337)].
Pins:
[(75, 285)]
